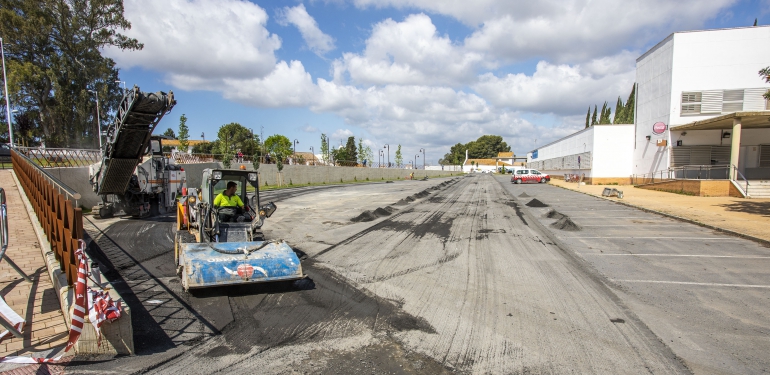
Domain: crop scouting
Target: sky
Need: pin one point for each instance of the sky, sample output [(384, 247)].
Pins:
[(422, 74)]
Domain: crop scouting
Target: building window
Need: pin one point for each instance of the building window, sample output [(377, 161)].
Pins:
[(691, 102)]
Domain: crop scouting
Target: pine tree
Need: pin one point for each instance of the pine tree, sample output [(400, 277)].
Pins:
[(593, 118), (588, 117), (619, 112)]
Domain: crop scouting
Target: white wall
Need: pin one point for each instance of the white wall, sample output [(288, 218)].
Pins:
[(613, 150), (577, 143), (610, 147), (653, 102), (694, 61), (717, 60)]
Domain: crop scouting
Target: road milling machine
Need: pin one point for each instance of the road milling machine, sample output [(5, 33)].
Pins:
[(224, 245), (133, 176)]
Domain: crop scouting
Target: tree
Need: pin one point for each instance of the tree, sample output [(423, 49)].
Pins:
[(765, 74), (205, 147), (604, 118), (619, 115), (593, 118), (629, 112), (324, 149), (184, 134), (26, 131), (233, 137), (588, 117), (351, 152), (456, 155), (364, 152), (170, 133), (399, 157), (485, 147), (53, 56), (340, 155), (278, 146)]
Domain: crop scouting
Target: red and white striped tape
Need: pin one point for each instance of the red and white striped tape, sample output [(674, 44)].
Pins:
[(100, 308)]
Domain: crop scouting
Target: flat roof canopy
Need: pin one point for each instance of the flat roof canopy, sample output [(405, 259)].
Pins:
[(749, 120)]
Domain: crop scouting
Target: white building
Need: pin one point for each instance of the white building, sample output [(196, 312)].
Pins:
[(703, 91), (700, 116), (600, 154)]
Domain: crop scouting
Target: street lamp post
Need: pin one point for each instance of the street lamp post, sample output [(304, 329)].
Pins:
[(382, 157), (203, 136), (124, 84), (295, 147), (414, 166), (98, 118), (423, 157), (388, 147), (7, 102)]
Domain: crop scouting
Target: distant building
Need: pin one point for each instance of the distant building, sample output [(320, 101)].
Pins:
[(174, 144), (700, 115), (600, 154), (700, 103)]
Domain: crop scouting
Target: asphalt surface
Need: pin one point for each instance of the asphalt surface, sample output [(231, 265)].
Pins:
[(451, 275), (705, 294)]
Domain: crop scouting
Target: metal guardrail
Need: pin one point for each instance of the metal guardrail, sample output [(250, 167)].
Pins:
[(734, 177), (686, 172), (55, 206), (60, 157)]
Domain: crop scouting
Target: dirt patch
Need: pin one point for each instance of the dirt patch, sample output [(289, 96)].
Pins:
[(364, 216), (373, 215), (381, 212), (536, 203), (553, 214), (524, 195), (565, 223)]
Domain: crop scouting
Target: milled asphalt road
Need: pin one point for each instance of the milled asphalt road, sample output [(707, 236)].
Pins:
[(461, 277), (704, 293)]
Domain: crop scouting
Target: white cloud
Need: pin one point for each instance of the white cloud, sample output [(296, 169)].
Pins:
[(309, 129), (316, 40), (199, 38), (564, 30), (409, 52), (561, 89), (289, 85), (340, 135)]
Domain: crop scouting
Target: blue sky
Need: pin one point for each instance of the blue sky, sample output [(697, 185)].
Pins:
[(419, 73)]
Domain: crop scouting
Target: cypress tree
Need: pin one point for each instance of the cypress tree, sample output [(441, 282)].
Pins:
[(605, 115), (619, 112), (588, 117), (628, 112), (593, 118)]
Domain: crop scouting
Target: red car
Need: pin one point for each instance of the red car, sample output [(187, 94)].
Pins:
[(524, 176)]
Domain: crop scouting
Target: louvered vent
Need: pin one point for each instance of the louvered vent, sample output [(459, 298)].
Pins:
[(764, 156)]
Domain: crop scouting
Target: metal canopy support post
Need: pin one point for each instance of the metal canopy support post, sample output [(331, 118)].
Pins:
[(735, 146)]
